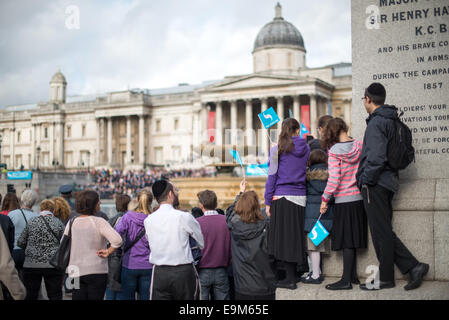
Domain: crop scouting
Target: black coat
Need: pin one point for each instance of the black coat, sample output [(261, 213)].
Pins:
[(253, 274), (114, 260), (8, 230), (316, 178), (373, 168)]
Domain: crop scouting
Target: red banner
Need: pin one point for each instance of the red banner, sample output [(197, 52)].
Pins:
[(305, 117), (211, 126)]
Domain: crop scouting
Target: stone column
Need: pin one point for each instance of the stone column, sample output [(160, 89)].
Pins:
[(296, 111), (313, 115), (203, 115), (196, 128), (33, 146), (264, 137), (249, 122), (218, 123), (52, 143), (128, 139), (109, 141), (233, 122), (60, 144), (38, 144), (141, 138), (280, 111), (12, 137), (98, 137)]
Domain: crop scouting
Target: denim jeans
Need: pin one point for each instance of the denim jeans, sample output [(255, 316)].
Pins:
[(215, 279), (134, 280), (111, 294)]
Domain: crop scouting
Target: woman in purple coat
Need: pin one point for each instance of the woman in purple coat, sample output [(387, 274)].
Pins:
[(285, 200), (136, 266)]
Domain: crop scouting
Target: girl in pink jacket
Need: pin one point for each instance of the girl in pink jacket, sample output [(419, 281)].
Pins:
[(350, 229)]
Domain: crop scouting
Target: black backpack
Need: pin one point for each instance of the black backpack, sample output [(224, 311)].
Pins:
[(400, 149)]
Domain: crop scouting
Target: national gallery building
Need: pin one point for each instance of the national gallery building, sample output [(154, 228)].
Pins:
[(139, 127)]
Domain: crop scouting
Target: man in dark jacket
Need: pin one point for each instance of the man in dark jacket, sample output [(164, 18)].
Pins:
[(378, 183)]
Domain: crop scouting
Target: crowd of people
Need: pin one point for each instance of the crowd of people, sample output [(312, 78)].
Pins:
[(152, 250), (108, 182)]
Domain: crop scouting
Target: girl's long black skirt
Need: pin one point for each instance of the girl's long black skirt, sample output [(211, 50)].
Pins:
[(350, 228), (286, 238)]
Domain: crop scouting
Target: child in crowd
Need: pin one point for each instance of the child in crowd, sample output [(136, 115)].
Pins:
[(316, 178)]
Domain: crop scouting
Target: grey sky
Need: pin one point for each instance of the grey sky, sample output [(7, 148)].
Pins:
[(151, 44)]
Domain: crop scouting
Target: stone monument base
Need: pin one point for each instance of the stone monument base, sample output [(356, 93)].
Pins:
[(429, 290)]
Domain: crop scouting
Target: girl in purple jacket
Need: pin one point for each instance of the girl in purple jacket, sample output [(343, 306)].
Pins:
[(285, 200)]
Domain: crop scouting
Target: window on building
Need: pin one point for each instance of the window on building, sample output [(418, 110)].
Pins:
[(83, 130), (158, 156), (158, 125), (289, 60), (69, 131), (45, 132), (176, 153), (176, 124), (19, 136)]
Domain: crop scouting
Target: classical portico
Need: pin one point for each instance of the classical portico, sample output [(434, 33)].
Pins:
[(237, 103)]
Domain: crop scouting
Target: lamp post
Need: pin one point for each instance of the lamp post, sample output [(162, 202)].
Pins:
[(38, 149), (55, 164)]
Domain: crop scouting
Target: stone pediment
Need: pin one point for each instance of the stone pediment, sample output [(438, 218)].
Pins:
[(253, 81)]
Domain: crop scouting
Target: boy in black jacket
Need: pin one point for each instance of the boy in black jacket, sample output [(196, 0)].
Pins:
[(378, 183)]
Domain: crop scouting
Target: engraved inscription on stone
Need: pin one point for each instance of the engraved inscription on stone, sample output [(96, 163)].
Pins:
[(404, 44)]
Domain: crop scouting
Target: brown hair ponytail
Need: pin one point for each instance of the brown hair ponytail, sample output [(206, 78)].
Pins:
[(285, 143), (332, 132)]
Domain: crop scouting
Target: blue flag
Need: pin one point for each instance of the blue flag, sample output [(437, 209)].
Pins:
[(290, 114), (257, 169), (236, 156), (269, 117), (303, 130), (318, 233)]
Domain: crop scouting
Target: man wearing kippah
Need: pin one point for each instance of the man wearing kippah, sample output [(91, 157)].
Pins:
[(378, 183), (168, 230)]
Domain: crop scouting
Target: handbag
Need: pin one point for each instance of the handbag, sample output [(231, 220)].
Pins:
[(318, 233), (61, 258), (117, 259)]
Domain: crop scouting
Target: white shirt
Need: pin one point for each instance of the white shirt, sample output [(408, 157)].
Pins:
[(168, 231)]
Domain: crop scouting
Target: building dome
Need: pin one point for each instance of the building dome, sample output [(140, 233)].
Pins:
[(279, 33), (58, 77)]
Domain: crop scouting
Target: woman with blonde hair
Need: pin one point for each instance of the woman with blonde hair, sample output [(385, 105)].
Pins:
[(62, 209), (136, 266)]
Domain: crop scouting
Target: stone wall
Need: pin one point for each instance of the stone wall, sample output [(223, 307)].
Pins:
[(395, 43)]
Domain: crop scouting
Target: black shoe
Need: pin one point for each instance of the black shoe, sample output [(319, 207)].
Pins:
[(310, 280), (286, 285), (355, 281), (340, 285), (416, 275), (381, 285)]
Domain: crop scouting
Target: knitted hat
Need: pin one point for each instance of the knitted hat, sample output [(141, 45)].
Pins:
[(159, 188)]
